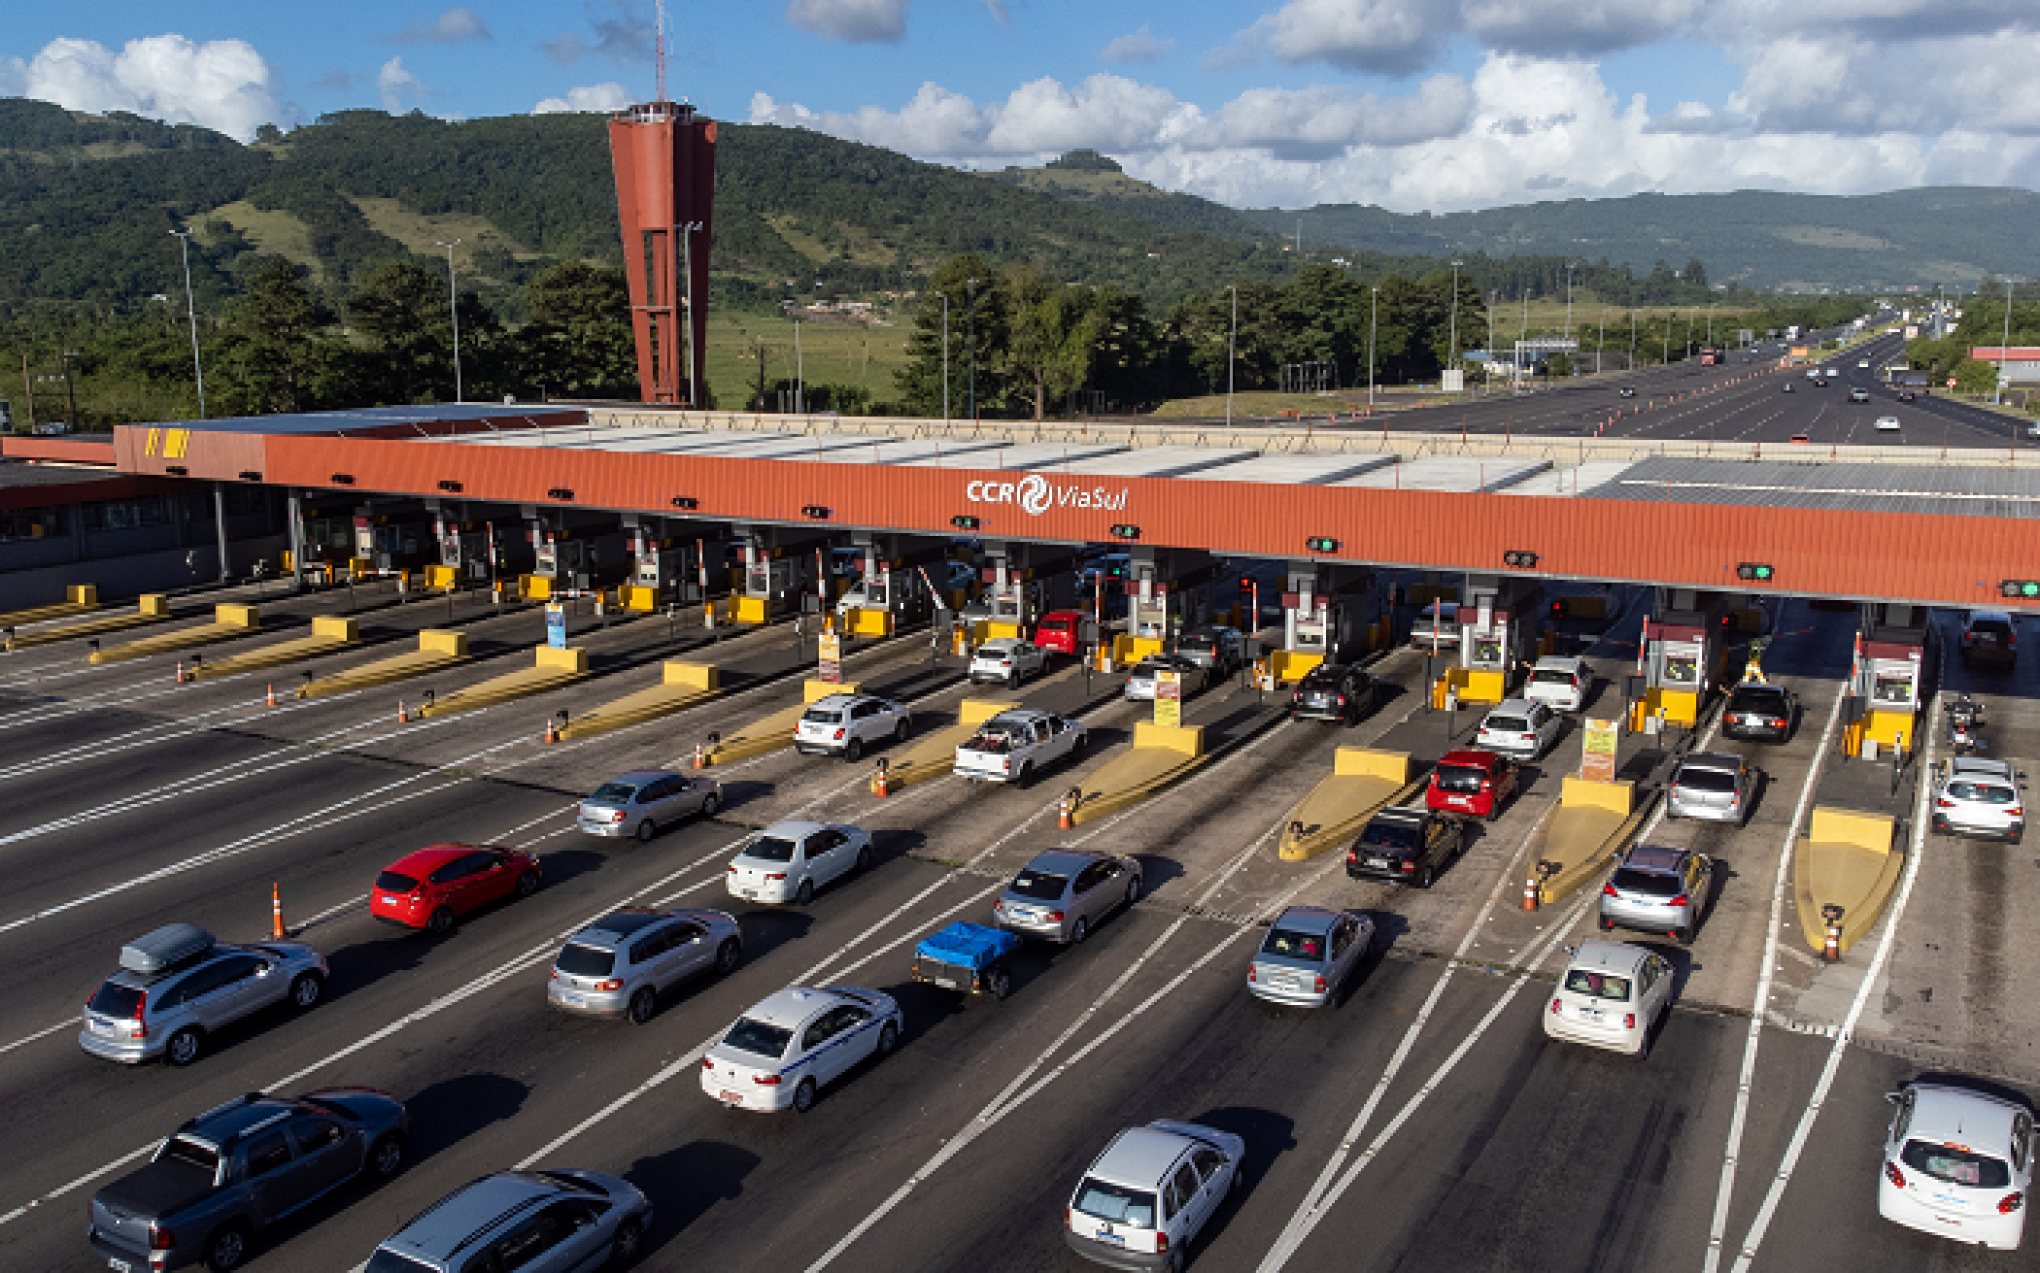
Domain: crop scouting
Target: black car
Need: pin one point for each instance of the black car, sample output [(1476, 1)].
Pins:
[(1334, 691), (1628, 391), (1405, 846), (1989, 640), (1761, 712), (1907, 395)]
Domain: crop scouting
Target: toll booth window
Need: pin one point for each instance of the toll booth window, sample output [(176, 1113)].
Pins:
[(1487, 651), (1682, 669), (1893, 689), (1310, 638), (758, 577), (874, 594)]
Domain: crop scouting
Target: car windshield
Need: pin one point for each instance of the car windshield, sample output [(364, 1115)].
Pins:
[(1696, 779), (1117, 1204), (1955, 1165), (1990, 627), (770, 848), (816, 716), (1322, 677), (758, 1038), (179, 1149), (1757, 700), (1645, 883), (387, 1261), (1202, 644), (577, 960), (1507, 724), (1055, 625), (1598, 985), (1461, 778), (1550, 676), (1038, 885), (1981, 792), (395, 882), (614, 792), (115, 1000), (995, 741), (1391, 835), (1292, 944)]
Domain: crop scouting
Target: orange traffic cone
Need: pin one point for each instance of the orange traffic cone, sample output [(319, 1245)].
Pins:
[(272, 693), (1062, 814), (180, 671), (1530, 894), (276, 928), (551, 735), (403, 715), (700, 757), (879, 787)]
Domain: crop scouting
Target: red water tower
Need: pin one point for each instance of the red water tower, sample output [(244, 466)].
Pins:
[(665, 189)]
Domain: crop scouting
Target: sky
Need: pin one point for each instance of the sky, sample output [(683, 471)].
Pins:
[(1413, 105)]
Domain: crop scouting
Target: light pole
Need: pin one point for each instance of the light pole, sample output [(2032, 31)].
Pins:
[(1666, 355), (1710, 321), (970, 338), (1232, 347), (1632, 342), (690, 354), (2004, 350), (1489, 386), (799, 374), (1568, 298), (191, 312), (945, 356), (1601, 341), (453, 311), (1373, 322), (1689, 333), (1452, 359)]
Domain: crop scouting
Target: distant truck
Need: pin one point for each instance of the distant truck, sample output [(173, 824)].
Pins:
[(1011, 746)]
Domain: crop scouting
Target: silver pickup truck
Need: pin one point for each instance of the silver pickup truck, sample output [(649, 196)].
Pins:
[(1013, 745)]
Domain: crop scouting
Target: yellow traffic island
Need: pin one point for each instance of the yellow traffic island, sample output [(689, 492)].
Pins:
[(229, 623), (1290, 666), (1844, 875), (681, 686), (772, 732), (1362, 782), (328, 635), (933, 755), (1470, 687), (79, 598), (551, 669), (1589, 828), (154, 607), (1160, 755), (436, 650)]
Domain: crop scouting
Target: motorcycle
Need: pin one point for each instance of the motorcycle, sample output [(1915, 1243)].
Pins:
[(1965, 725)]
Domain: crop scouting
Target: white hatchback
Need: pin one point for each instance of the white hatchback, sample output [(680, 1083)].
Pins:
[(1610, 996), (1979, 797), (1519, 728), (1560, 681), (788, 861), (1889, 424), (1957, 1163), (845, 724), (783, 1051), (1007, 659), (1142, 1203)]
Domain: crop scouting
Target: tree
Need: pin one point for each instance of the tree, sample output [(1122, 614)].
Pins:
[(920, 381), (1975, 376), (274, 355), (577, 342), (401, 309)]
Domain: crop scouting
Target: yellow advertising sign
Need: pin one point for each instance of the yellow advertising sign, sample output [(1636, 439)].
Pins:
[(1601, 740), (1168, 698), (831, 648)]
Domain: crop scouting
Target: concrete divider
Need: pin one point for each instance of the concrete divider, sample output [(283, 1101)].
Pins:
[(1129, 650), (79, 598), (867, 623), (1362, 782), (328, 635), (933, 754), (1849, 859), (1475, 687), (436, 650), (770, 733), (550, 669), (681, 686), (1289, 665), (755, 611), (1160, 755), (1591, 825), (229, 623), (637, 600), (153, 607), (535, 587)]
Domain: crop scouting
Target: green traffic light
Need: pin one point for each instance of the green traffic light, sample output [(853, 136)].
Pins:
[(1763, 572), (2029, 589)]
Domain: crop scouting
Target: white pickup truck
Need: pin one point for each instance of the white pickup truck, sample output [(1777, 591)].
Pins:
[(1011, 746)]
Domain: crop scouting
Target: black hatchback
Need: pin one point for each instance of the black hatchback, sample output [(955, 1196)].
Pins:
[(1405, 846), (1334, 691), (1760, 712)]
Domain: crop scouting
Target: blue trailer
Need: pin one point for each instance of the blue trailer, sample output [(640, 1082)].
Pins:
[(967, 957)]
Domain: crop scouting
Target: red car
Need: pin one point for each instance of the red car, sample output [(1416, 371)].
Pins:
[(1066, 631), (1471, 783), (433, 887)]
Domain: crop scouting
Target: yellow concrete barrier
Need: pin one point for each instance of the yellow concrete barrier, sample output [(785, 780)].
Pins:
[(1362, 783), (1590, 827), (337, 629), (933, 754), (80, 598), (328, 635), (1160, 755), (236, 616), (571, 659), (550, 669), (1850, 859), (770, 733), (436, 650), (996, 628), (868, 623), (752, 610), (1129, 650), (681, 686), (1475, 687), (444, 578), (154, 607), (535, 587), (637, 599), (1288, 666), (229, 623)]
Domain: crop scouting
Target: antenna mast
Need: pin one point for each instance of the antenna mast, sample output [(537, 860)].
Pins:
[(661, 50)]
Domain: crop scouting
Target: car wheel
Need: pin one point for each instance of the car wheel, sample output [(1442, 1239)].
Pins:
[(855, 751), (527, 883), (863, 859), (386, 1157), (804, 1095), (304, 992), (184, 1046), (888, 1038), (900, 732), (1026, 777), (1079, 931), (1683, 936), (1077, 747), (999, 983), (441, 921), (629, 1240), (710, 803), (1176, 1260), (227, 1247), (727, 955), (645, 831), (642, 1006), (805, 893), (1133, 890), (1426, 877)]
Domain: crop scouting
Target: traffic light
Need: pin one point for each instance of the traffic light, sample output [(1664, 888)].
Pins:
[(1126, 532), (2020, 589), (1321, 544), (965, 522), (1247, 584), (816, 511), (1520, 559), (1756, 571), (686, 502), (1115, 571)]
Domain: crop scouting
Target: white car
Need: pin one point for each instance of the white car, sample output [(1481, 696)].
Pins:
[(1007, 659), (1012, 745), (1978, 797), (1957, 1163), (1609, 996), (1143, 1201), (788, 861), (786, 1049), (845, 724), (1561, 681), (1862, 364), (1888, 424), (1520, 728)]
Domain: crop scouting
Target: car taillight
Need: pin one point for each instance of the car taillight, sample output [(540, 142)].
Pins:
[(1893, 1174), (1352, 857), (1608, 890), (776, 875), (1409, 864), (1161, 1243), (838, 734), (1055, 917), (612, 983), (1943, 802), (1680, 900), (1005, 762), (1556, 1004), (616, 815), (708, 1063), (733, 870), (1342, 700), (1777, 722), (766, 1080), (141, 1030), (2011, 1202), (160, 1238), (1318, 984), (1629, 1020), (1253, 972), (1487, 784), (2015, 811)]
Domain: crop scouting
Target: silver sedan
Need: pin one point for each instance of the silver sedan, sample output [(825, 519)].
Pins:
[(1063, 893), (1307, 954), (640, 802)]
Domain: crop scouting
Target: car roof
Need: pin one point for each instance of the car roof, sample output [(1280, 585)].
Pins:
[(1064, 614), (1755, 687), (1712, 760), (446, 1228), (1978, 767), (222, 1123), (1471, 756), (794, 828), (617, 927), (1308, 919), (1962, 1116), (1997, 615), (999, 643), (789, 1007), (1608, 956), (1560, 663), (1402, 813), (1063, 861), (1513, 706), (1657, 857), (1140, 1157), (1328, 669), (1017, 716), (839, 700), (431, 856)]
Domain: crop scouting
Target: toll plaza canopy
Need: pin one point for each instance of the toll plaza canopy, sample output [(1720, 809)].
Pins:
[(1892, 523)]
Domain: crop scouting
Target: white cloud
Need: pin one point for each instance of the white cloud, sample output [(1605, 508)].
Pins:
[(222, 84), (455, 26), (1141, 46), (1846, 83), (396, 84), (587, 97), (1391, 37), (852, 21), (1559, 27)]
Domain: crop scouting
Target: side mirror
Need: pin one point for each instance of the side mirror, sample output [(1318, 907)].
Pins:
[(1894, 1097), (1571, 950)]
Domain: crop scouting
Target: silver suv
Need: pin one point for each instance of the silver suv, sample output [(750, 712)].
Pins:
[(1980, 797), (545, 1221), (845, 724), (618, 966), (1658, 890), (177, 985), (1712, 786)]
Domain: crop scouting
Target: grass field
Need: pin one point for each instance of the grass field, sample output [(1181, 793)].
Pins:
[(850, 354)]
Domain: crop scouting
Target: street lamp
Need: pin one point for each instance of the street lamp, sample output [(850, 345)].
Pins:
[(1373, 321), (1632, 342), (945, 356), (1453, 359), (2005, 350), (970, 338), (1568, 298), (1601, 341), (453, 310), (191, 311), (688, 229), (1232, 346)]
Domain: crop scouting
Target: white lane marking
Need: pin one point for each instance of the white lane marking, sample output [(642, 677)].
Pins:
[(500, 837), (1294, 1237), (100, 750), (1776, 1192), (43, 1033), (1746, 1077), (106, 744), (313, 921)]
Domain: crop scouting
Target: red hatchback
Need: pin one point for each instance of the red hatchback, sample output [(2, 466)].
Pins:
[(432, 887), (1471, 783)]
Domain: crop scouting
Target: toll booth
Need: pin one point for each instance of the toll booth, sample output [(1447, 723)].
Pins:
[(1166, 596), (1682, 656), (1022, 582), (393, 537), (577, 551), (780, 573), (1500, 634), (1328, 616), (326, 534), (1890, 678), (479, 551), (894, 584)]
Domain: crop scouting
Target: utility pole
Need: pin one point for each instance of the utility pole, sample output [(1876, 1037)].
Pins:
[(1689, 333), (28, 384), (453, 312), (1452, 360), (1489, 386), (2004, 350), (1232, 348), (689, 353), (945, 356), (799, 374), (191, 312), (1373, 322), (1568, 298), (970, 338), (1632, 341), (1601, 341), (71, 392), (1669, 320)]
